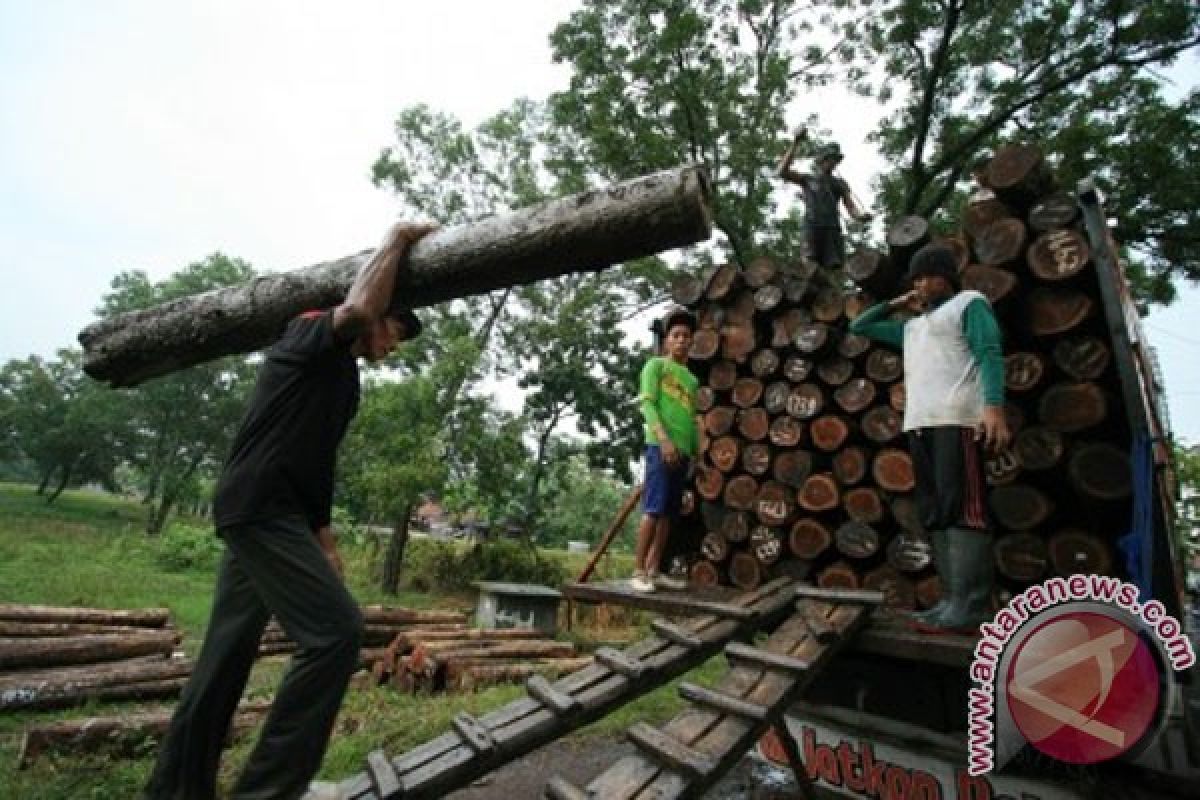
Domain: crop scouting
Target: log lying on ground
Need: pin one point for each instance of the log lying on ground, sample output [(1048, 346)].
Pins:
[(384, 615), (16, 628), (56, 688), (61, 650), (136, 617), (115, 737), (466, 675), (582, 233)]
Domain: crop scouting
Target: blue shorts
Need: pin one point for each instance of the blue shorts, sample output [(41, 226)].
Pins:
[(662, 491)]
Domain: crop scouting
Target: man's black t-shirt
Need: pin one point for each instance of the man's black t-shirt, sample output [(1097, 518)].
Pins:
[(284, 454), (822, 193)]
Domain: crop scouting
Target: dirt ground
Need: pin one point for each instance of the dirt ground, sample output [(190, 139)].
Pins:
[(581, 758)]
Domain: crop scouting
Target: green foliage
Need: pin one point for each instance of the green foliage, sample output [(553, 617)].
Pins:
[(1079, 79), (580, 503), (1187, 471), (448, 566), (185, 546)]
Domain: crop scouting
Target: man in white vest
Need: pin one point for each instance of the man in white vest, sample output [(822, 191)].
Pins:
[(954, 404)]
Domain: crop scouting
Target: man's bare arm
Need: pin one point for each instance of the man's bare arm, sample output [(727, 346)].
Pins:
[(371, 293), (784, 170)]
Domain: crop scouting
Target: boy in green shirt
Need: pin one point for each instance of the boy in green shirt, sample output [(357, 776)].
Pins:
[(667, 396)]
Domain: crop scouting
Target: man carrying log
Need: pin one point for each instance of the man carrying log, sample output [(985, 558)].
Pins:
[(667, 396), (823, 191), (954, 382), (272, 508)]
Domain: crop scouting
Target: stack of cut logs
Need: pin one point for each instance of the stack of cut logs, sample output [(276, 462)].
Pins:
[(381, 624), (467, 658), (52, 657), (805, 469)]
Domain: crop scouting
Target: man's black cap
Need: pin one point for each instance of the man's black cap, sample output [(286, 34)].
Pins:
[(935, 259)]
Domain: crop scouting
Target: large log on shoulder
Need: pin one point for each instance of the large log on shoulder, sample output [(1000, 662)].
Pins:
[(581, 233)]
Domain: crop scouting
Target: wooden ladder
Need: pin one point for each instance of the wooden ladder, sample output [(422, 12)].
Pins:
[(691, 752), (551, 710)]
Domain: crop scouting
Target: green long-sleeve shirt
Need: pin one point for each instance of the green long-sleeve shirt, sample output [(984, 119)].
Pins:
[(979, 326), (667, 394)]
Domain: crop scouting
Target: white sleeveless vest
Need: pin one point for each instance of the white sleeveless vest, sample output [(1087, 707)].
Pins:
[(941, 378)]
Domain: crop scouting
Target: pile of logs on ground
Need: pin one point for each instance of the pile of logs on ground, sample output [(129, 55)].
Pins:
[(53, 657), (381, 625), (470, 658), (804, 467)]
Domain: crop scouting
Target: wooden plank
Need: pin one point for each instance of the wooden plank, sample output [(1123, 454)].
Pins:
[(669, 751), (860, 596), (540, 689), (817, 624), (384, 779), (719, 701), (619, 663), (675, 634), (663, 602), (765, 658), (477, 737), (561, 789), (436, 768)]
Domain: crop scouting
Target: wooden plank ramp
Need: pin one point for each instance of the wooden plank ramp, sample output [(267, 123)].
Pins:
[(478, 746), (692, 751)]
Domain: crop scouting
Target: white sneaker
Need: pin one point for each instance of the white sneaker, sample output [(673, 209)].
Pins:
[(670, 583), (640, 582)]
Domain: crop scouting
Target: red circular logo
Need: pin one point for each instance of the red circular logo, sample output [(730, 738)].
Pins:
[(1083, 687)]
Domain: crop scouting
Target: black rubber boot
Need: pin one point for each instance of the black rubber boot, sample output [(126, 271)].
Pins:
[(967, 588), (941, 559)]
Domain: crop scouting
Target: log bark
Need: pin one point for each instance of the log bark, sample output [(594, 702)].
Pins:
[(1072, 407), (1021, 557), (15, 628), (809, 538), (378, 614), (403, 642), (25, 652), (1051, 311), (819, 493), (42, 689), (1058, 255), (1020, 507), (138, 617), (1100, 471), (1084, 358), (745, 571), (582, 233), (1072, 551), (893, 470)]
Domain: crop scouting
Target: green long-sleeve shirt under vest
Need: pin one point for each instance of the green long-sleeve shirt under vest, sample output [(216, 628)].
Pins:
[(979, 327), (667, 395)]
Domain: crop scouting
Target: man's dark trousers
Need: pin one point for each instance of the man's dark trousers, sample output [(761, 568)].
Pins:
[(270, 568)]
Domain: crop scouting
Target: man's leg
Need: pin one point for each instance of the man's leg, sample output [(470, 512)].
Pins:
[(187, 760), (312, 605)]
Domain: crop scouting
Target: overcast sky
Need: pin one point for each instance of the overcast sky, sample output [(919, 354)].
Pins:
[(148, 135)]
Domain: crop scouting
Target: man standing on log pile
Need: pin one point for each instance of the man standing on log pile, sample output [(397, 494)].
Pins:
[(667, 395), (954, 382), (822, 192), (272, 508)]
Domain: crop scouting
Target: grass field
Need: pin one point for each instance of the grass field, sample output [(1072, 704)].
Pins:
[(90, 549)]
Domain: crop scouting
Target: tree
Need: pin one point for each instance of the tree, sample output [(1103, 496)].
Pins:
[(182, 424), (1187, 471), (1078, 78)]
